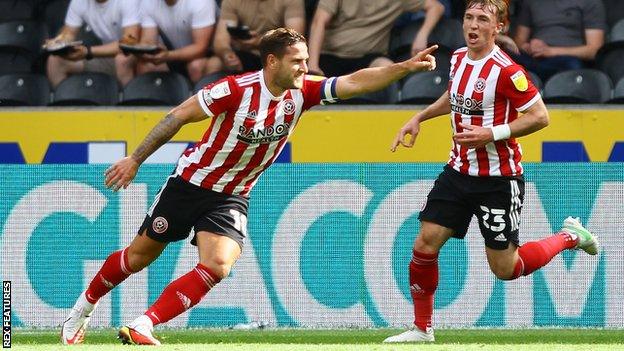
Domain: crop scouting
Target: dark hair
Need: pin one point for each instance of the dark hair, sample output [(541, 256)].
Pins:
[(500, 8), (276, 41)]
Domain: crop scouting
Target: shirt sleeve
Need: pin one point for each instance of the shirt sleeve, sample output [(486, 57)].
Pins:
[(413, 5), (294, 9), (130, 13), (525, 18), (147, 19), (75, 12), (516, 86), (204, 14), (330, 6), (318, 90), (228, 11), (218, 97), (594, 16)]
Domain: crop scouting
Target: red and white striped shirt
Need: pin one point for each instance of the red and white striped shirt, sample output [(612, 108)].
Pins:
[(248, 130), (488, 92)]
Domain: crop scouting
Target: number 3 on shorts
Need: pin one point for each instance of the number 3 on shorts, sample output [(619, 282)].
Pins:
[(498, 224), (240, 221)]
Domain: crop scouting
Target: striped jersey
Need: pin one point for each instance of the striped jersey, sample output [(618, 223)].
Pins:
[(488, 92), (248, 129)]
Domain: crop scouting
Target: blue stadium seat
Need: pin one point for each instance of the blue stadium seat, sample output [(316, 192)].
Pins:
[(156, 89), (24, 89), (53, 13), (424, 87), (11, 10), (15, 62), (87, 89), (609, 57), (578, 86), (389, 95), (618, 93), (447, 33), (537, 81), (22, 36), (615, 11), (208, 79), (88, 37)]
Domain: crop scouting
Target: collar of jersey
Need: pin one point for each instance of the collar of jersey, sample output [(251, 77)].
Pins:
[(266, 91), (485, 58)]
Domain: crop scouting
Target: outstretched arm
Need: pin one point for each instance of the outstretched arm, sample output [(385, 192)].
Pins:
[(120, 174), (376, 78)]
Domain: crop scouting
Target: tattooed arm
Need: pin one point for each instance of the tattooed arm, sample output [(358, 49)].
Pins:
[(120, 174)]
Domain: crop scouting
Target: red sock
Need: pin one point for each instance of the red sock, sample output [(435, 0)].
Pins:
[(536, 254), (423, 278), (114, 271), (182, 294)]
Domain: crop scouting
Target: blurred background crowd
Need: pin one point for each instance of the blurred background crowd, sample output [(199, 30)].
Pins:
[(67, 52)]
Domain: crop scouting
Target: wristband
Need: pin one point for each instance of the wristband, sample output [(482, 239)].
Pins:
[(89, 54), (501, 132)]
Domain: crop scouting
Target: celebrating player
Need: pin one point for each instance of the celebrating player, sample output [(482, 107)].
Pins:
[(252, 117), (483, 176)]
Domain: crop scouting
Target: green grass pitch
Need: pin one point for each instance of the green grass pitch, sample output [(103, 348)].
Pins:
[(335, 340)]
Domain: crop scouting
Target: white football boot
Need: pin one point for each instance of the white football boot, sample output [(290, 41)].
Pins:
[(587, 241), (75, 325), (138, 332), (412, 335)]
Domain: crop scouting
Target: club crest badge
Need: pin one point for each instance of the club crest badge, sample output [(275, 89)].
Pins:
[(288, 107), (160, 225), (479, 85)]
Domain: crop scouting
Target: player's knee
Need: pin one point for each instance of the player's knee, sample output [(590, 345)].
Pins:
[(503, 272), (219, 267), (425, 243), (137, 260)]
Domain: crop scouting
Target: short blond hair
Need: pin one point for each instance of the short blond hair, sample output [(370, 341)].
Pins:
[(500, 7)]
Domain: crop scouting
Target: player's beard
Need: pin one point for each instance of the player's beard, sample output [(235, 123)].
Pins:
[(290, 82)]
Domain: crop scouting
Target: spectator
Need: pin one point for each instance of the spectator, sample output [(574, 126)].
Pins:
[(186, 28), (110, 20), (559, 35), (260, 16), (348, 35)]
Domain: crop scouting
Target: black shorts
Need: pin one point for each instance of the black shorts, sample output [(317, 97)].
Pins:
[(181, 206), (496, 201)]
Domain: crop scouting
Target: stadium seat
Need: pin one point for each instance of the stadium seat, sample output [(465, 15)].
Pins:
[(24, 89), (389, 95), (537, 81), (448, 33), (53, 14), (618, 93), (617, 31), (24, 36), (15, 62), (609, 61), (88, 37), (156, 89), (615, 11), (87, 89), (424, 87), (11, 10), (208, 79), (578, 86)]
